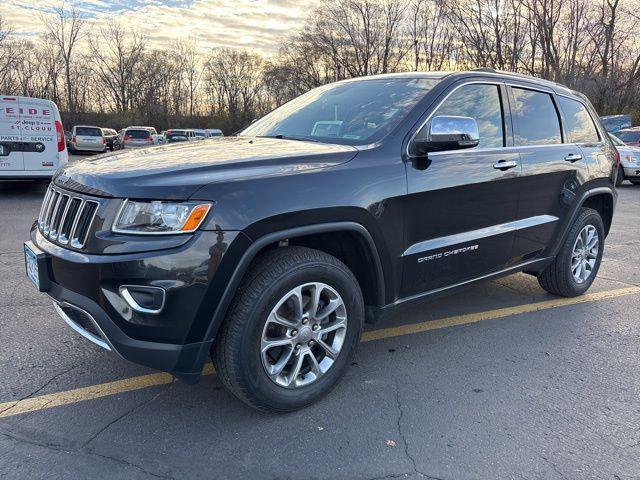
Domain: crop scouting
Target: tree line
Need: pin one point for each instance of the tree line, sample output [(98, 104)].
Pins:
[(110, 75)]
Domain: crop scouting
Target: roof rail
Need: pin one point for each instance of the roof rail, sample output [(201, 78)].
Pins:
[(519, 75)]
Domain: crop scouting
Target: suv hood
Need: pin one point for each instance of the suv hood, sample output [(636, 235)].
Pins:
[(175, 172)]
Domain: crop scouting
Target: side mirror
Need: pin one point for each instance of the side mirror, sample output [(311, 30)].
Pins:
[(448, 133)]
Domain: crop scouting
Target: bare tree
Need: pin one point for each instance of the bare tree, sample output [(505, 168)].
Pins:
[(116, 58), (235, 77), (66, 29)]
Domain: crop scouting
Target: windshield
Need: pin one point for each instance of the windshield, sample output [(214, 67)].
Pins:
[(629, 136), (352, 113), (88, 132)]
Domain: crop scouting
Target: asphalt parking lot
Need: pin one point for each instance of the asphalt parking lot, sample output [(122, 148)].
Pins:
[(502, 381)]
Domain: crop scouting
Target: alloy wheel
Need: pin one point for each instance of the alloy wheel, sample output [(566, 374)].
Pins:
[(585, 254), (303, 335)]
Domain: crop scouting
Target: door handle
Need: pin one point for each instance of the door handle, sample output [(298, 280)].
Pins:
[(573, 157), (505, 164)]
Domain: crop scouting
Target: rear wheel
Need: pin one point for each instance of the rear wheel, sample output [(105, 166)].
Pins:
[(291, 331), (635, 181), (575, 267)]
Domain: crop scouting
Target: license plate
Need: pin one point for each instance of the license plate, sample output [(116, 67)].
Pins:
[(35, 263), (31, 260)]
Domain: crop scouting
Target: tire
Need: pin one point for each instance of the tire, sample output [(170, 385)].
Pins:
[(620, 176), (635, 181), (558, 278), (249, 326)]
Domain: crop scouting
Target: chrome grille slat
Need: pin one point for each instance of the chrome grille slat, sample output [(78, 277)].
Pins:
[(76, 220), (45, 202), (47, 209), (61, 211), (51, 212), (66, 218), (79, 237), (67, 223)]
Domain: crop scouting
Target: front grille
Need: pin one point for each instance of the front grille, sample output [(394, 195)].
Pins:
[(66, 218)]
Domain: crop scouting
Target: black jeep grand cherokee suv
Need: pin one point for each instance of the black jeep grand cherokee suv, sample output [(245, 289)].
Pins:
[(269, 250)]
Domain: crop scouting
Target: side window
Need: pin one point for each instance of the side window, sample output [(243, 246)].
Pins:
[(480, 102), (579, 124), (535, 117)]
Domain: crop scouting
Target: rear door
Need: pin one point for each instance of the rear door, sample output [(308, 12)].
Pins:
[(581, 131), (39, 134), (552, 170), (11, 157)]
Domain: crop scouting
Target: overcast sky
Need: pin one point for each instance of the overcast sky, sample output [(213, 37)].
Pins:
[(257, 25)]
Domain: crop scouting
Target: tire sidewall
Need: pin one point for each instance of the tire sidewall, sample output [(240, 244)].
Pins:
[(278, 397)]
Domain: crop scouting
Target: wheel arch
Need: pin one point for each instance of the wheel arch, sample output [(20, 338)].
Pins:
[(602, 199), (310, 235)]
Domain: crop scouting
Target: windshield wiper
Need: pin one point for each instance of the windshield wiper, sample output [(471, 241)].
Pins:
[(299, 138)]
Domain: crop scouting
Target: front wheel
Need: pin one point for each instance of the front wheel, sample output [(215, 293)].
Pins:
[(291, 331), (620, 176), (575, 267)]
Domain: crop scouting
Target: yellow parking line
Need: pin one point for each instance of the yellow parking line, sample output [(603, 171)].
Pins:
[(491, 314), (67, 397)]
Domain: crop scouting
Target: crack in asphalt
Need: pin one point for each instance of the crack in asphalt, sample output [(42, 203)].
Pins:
[(404, 439), (127, 413), (44, 385), (83, 450), (553, 466), (617, 280), (60, 449)]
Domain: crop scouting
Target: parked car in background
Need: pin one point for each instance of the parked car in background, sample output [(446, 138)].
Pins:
[(67, 138), (629, 168), (200, 133), (155, 136), (615, 123), (630, 136), (181, 135), (32, 141), (214, 132), (112, 138), (87, 138), (137, 137)]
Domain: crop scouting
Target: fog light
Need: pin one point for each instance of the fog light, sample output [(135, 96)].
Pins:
[(143, 299)]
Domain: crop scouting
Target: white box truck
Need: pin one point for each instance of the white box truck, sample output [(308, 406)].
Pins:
[(32, 143)]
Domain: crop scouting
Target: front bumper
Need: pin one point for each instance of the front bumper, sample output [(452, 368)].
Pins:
[(86, 293)]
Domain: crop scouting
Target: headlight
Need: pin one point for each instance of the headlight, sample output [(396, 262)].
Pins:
[(160, 218)]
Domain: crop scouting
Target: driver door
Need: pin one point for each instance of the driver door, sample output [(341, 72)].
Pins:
[(461, 205)]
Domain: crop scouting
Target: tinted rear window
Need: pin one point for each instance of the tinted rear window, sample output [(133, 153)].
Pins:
[(579, 124), (138, 134), (88, 132), (536, 118), (629, 136)]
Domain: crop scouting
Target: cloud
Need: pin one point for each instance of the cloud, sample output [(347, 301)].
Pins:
[(256, 25)]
